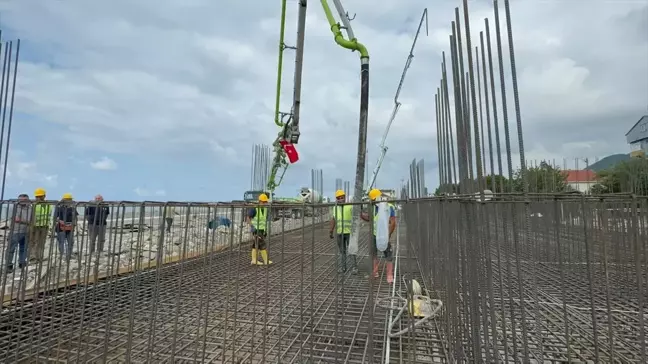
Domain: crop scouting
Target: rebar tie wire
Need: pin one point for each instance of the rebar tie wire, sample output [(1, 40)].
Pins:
[(389, 303)]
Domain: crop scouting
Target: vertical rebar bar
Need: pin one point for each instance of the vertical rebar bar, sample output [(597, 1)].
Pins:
[(488, 121), (11, 109)]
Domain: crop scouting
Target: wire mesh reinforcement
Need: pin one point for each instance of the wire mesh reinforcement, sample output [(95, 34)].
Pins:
[(576, 284), (202, 300)]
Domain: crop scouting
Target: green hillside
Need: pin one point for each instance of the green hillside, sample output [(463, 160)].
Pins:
[(608, 162)]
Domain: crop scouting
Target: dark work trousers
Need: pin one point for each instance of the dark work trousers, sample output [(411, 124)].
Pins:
[(343, 248), (65, 243), (17, 240), (97, 237), (258, 241), (169, 222)]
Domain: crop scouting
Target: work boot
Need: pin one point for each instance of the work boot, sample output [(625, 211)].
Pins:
[(264, 257), (254, 260), (390, 272), (375, 267)]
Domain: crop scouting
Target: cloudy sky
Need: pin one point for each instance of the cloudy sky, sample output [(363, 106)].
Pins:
[(143, 99)]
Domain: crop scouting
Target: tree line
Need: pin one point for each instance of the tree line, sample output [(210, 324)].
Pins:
[(624, 177)]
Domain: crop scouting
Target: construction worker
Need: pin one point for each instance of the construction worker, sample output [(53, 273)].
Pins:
[(258, 219), (40, 227), (97, 217), (18, 234), (341, 225), (169, 214), (373, 195), (66, 218)]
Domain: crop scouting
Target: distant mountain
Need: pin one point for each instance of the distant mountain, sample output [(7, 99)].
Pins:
[(608, 162)]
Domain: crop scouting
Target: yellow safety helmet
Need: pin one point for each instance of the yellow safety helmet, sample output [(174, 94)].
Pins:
[(263, 197), (67, 196), (339, 193), (374, 194), (39, 192)]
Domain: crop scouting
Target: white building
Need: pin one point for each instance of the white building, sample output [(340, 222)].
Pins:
[(581, 180)]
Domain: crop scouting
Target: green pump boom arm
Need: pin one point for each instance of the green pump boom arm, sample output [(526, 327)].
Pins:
[(352, 43), (290, 128)]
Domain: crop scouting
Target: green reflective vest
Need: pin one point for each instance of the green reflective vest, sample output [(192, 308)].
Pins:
[(343, 219), (260, 219), (375, 219), (42, 215)]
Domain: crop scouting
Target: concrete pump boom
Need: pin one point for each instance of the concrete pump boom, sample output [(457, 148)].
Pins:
[(353, 44), (289, 132), (290, 128), (397, 104)]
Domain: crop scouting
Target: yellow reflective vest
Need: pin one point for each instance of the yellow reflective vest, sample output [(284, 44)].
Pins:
[(343, 221), (42, 215), (260, 219)]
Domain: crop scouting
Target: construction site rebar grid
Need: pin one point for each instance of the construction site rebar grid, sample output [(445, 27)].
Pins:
[(575, 284), (577, 288), (190, 294)]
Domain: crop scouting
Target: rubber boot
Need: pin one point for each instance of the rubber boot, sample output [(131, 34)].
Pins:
[(390, 272), (375, 267), (264, 257), (254, 260)]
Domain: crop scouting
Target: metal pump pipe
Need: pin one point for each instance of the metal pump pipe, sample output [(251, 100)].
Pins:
[(353, 44)]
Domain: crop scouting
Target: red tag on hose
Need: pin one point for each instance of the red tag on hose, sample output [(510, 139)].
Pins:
[(290, 150)]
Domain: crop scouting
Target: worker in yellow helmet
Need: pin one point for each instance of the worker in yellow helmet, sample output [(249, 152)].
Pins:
[(40, 227), (373, 196), (66, 219), (341, 225), (258, 219)]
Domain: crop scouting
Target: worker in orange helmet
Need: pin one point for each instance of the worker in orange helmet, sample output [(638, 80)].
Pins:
[(374, 194)]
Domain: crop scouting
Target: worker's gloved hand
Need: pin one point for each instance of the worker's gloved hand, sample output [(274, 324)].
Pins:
[(331, 235)]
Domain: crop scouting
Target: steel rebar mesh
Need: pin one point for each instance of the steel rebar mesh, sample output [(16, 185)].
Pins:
[(191, 294), (185, 291), (577, 283)]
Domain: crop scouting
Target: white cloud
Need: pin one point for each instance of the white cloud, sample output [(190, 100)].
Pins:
[(144, 192), (22, 172), (158, 81), (104, 164)]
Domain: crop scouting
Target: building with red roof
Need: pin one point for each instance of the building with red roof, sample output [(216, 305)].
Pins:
[(580, 180)]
